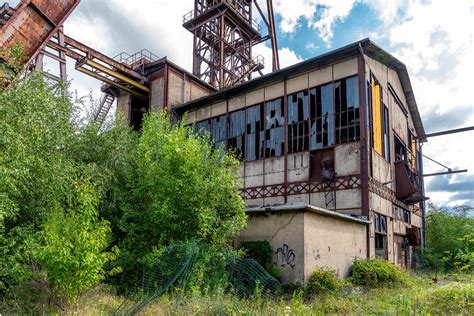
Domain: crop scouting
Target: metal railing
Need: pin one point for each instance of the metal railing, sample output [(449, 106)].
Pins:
[(191, 15), (142, 57)]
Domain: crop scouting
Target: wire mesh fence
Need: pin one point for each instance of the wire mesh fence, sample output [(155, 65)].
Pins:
[(173, 269)]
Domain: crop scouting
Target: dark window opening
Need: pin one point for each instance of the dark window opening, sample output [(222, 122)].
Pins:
[(298, 115), (347, 110), (381, 246), (322, 117), (254, 142), (274, 128), (219, 131), (400, 150), (322, 163), (401, 214), (138, 108), (236, 133), (380, 225), (406, 216), (385, 133)]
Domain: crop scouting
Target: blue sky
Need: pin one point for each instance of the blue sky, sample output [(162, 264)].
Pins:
[(433, 38)]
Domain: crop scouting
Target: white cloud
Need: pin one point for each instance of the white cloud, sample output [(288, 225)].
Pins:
[(435, 40), (320, 15), (286, 56)]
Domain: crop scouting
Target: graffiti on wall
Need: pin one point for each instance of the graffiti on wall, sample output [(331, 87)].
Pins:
[(285, 257)]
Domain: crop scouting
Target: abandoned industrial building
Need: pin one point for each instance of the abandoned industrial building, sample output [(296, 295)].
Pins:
[(330, 147), (327, 146)]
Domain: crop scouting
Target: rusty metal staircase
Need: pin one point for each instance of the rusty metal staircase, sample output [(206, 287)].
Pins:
[(105, 103)]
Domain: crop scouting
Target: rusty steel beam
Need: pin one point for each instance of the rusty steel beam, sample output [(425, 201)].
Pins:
[(112, 82), (32, 24), (77, 51), (100, 68), (273, 38)]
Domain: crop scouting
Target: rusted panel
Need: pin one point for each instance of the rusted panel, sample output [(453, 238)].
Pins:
[(33, 23)]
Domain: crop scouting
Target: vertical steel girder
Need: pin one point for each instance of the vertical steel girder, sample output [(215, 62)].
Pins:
[(223, 40)]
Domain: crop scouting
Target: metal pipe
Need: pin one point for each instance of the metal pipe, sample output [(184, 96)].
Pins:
[(443, 173), (273, 38), (450, 131)]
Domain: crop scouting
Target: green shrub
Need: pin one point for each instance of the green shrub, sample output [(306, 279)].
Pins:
[(376, 272), (323, 280), (276, 272), (259, 250), (452, 297)]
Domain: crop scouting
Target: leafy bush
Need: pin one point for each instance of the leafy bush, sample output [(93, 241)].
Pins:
[(181, 188), (72, 246), (323, 280), (449, 239), (276, 272), (376, 272), (452, 297), (259, 250)]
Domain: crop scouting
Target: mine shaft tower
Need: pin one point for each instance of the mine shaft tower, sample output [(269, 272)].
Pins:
[(224, 33)]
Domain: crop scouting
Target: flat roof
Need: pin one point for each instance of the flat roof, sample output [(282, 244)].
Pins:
[(346, 52), (304, 207)]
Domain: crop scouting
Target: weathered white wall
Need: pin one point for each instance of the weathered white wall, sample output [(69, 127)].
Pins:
[(157, 95), (303, 241), (331, 242), (347, 159), (123, 106)]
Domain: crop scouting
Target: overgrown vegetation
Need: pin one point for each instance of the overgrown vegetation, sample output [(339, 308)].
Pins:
[(259, 250), (376, 272), (323, 280), (449, 240), (78, 207), (82, 214)]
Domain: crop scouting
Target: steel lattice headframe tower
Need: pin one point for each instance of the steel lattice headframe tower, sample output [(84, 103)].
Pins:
[(224, 34)]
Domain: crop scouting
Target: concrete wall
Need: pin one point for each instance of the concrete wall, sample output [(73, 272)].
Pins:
[(303, 241), (157, 99), (123, 106), (331, 242), (285, 233)]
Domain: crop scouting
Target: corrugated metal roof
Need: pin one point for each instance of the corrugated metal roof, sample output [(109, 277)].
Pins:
[(332, 57)]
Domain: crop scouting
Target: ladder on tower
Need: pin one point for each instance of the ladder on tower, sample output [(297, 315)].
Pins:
[(105, 103)]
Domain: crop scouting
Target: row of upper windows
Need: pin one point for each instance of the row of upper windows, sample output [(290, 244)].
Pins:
[(316, 118)]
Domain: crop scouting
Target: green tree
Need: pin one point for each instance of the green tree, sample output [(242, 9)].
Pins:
[(39, 192), (184, 188), (72, 243), (449, 235)]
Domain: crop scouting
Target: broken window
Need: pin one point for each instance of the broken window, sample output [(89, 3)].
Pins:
[(322, 117), (236, 132), (201, 128), (218, 130), (401, 214), (274, 128), (412, 149), (380, 223), (347, 110), (385, 133), (400, 149), (254, 141), (298, 115)]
